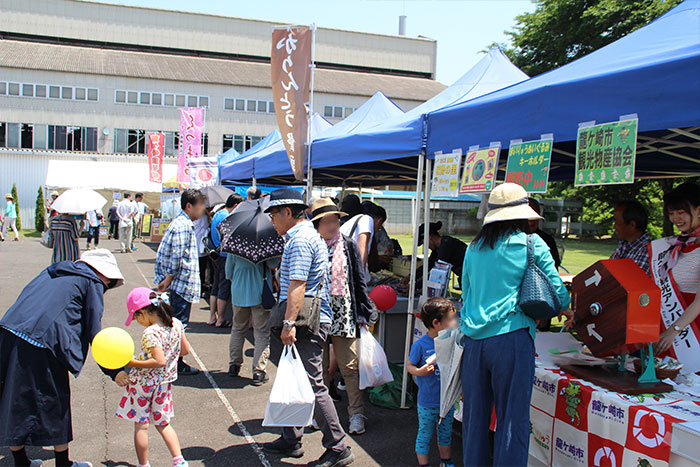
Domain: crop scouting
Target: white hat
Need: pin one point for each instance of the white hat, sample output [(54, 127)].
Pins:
[(103, 261), (509, 202)]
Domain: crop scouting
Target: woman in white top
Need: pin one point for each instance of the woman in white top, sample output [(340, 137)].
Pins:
[(675, 266)]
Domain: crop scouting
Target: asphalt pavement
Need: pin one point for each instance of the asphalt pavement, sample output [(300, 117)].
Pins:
[(217, 418)]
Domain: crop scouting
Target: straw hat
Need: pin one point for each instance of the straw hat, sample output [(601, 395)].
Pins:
[(103, 261), (509, 202), (54, 193), (323, 207), (8, 196)]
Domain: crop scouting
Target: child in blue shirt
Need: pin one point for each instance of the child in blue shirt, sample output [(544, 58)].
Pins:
[(437, 314)]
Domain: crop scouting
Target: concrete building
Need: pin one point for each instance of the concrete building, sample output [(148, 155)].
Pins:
[(85, 81)]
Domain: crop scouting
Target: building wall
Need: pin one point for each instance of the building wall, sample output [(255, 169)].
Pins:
[(453, 215), (194, 31), (107, 114)]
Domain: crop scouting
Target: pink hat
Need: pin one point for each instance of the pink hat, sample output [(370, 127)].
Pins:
[(138, 298)]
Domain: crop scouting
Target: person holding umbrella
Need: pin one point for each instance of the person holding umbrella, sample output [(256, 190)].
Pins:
[(252, 247)]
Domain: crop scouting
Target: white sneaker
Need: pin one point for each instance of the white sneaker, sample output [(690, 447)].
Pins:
[(82, 464), (36, 463), (341, 386), (357, 424), (182, 463)]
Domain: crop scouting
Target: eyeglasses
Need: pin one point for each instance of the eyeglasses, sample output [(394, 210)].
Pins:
[(273, 212)]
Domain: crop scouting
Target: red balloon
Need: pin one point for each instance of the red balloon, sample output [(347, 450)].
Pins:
[(384, 297)]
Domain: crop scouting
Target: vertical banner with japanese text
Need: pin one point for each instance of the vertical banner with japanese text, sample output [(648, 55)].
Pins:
[(446, 174), (528, 164), (155, 156), (291, 76), (479, 175), (605, 153), (191, 134)]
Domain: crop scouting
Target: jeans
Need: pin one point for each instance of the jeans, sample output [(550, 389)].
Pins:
[(242, 316), (346, 355), (310, 348), (428, 419), (181, 307), (497, 371), (93, 233), (125, 236)]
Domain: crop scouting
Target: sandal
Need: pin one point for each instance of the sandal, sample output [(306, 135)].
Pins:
[(224, 324)]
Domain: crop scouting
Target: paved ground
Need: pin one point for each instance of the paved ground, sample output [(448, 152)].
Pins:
[(218, 419)]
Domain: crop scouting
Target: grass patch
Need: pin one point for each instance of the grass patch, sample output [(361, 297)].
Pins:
[(28, 233), (578, 256)]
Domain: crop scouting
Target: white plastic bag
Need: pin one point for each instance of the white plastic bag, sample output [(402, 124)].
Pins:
[(292, 399), (374, 369)]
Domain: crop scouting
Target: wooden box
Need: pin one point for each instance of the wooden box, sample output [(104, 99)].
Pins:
[(617, 307)]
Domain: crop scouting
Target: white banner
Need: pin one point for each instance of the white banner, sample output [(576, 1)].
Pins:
[(203, 171)]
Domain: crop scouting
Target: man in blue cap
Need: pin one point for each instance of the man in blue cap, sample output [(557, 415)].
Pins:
[(304, 273)]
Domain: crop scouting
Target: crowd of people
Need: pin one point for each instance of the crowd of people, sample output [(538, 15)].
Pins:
[(322, 303)]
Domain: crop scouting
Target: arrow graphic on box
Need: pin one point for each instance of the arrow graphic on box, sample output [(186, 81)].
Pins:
[(594, 279), (592, 332)]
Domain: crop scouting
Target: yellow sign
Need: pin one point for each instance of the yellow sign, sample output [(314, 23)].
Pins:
[(146, 224), (446, 174), (480, 170)]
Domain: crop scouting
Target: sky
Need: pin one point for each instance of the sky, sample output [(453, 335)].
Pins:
[(462, 28)]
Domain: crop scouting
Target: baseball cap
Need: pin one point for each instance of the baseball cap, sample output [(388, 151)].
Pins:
[(138, 298)]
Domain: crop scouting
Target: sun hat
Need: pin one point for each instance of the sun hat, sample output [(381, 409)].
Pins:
[(323, 207), (138, 298), (285, 197), (508, 202), (9, 196), (434, 228), (104, 262), (54, 193)]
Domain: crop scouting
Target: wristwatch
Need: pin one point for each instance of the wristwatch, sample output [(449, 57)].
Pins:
[(677, 328), (288, 324)]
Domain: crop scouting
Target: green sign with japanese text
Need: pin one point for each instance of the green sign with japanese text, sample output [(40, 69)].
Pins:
[(605, 153), (528, 164)]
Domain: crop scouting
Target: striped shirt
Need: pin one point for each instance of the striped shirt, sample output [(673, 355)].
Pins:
[(687, 271), (178, 256), (305, 259)]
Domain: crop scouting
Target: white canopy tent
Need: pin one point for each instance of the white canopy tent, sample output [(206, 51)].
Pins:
[(107, 177)]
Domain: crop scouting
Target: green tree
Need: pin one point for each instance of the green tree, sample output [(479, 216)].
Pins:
[(14, 196), (40, 211), (560, 31)]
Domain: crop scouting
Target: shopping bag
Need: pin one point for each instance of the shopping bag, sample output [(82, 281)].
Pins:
[(373, 366), (292, 399), (47, 238)]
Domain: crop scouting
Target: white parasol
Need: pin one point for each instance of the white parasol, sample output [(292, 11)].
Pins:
[(78, 201)]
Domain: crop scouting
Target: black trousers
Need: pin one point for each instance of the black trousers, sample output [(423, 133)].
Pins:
[(114, 229)]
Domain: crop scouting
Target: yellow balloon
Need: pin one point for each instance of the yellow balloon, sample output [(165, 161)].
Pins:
[(113, 348)]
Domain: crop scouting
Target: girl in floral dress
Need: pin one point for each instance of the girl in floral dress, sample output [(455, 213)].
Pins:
[(148, 397)]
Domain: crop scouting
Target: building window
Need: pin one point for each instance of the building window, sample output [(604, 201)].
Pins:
[(179, 101), (240, 143), (228, 103), (71, 138), (40, 90), (203, 101), (80, 94), (92, 94), (13, 89), (54, 92), (330, 111), (248, 105), (145, 98), (28, 90), (132, 97), (27, 136), (191, 101), (66, 92), (169, 100), (120, 97), (3, 88), (12, 135), (156, 98), (40, 136)]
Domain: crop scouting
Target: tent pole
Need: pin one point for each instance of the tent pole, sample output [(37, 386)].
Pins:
[(412, 282), (254, 182), (426, 226), (312, 65)]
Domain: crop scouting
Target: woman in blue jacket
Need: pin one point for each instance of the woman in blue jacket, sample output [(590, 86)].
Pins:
[(499, 352), (45, 336)]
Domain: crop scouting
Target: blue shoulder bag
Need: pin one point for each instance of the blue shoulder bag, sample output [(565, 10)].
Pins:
[(538, 297)]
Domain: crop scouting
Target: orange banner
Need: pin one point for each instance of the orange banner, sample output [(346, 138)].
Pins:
[(291, 76)]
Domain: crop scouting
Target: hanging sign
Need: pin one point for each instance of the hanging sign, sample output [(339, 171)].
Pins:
[(203, 171), (480, 167), (155, 156), (528, 164), (446, 174), (190, 146), (290, 63), (605, 153)]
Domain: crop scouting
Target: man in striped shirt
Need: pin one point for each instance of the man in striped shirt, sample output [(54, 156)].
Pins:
[(304, 273)]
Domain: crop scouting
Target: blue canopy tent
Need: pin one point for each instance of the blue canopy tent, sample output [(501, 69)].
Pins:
[(387, 150), (241, 166), (653, 72)]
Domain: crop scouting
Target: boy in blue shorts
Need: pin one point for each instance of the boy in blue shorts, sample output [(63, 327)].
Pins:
[(437, 314)]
